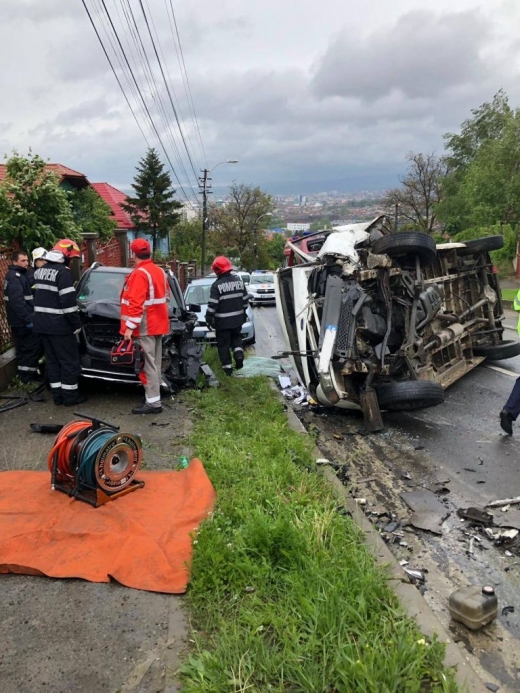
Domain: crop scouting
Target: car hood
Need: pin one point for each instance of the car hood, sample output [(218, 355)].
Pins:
[(104, 309), (252, 287)]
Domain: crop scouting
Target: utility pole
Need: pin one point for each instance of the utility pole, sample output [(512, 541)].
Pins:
[(396, 220), (203, 185)]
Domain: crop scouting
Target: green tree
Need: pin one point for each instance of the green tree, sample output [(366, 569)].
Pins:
[(487, 123), (233, 225), (275, 248), (34, 210), (92, 214), (185, 240), (486, 191), (477, 145), (153, 209)]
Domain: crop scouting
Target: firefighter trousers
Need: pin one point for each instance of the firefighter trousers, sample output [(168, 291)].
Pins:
[(513, 402), (62, 362), (226, 340), (150, 376), (29, 350)]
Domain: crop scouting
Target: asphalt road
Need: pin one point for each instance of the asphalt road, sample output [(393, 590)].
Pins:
[(73, 636), (460, 443)]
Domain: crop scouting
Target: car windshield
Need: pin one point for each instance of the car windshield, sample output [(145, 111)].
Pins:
[(262, 279), (102, 286), (107, 287), (198, 293)]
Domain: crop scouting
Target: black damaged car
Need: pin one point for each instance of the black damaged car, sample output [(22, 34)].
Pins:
[(98, 294)]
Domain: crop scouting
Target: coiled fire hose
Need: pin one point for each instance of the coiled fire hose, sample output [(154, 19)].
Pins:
[(94, 457)]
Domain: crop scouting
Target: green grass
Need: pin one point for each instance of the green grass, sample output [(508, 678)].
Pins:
[(284, 596), (509, 294)]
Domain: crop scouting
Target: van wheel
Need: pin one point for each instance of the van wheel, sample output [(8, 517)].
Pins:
[(402, 246), (481, 245), (409, 395), (496, 352)]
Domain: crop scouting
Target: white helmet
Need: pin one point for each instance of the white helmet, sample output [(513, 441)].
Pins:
[(38, 254)]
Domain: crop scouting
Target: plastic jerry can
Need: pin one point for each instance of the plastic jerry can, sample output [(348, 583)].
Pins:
[(474, 606)]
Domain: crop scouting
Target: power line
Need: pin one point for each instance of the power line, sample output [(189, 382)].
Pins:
[(152, 84), (167, 89), (137, 88), (184, 74), (115, 73)]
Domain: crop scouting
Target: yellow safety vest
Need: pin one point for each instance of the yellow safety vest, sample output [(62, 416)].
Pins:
[(516, 306)]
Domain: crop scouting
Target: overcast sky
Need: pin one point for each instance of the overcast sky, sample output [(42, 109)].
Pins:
[(307, 95)]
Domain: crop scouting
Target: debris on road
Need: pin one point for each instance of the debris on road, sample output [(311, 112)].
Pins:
[(492, 687), (505, 501), (508, 610), (439, 488), (476, 515), (428, 512), (474, 606), (416, 576), (285, 381)]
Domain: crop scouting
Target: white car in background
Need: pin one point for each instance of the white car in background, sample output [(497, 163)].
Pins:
[(198, 293), (261, 287)]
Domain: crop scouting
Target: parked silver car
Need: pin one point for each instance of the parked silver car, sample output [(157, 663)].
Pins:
[(390, 313), (198, 293)]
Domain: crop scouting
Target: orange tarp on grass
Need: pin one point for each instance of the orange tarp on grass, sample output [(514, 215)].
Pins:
[(142, 540)]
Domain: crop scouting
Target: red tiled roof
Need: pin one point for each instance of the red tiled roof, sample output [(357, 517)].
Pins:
[(114, 197), (59, 169)]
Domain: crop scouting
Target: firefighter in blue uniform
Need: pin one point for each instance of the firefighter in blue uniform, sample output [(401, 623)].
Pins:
[(57, 321), (511, 409), (226, 313), (18, 299)]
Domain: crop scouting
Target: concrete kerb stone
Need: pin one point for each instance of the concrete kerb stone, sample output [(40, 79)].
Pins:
[(411, 599)]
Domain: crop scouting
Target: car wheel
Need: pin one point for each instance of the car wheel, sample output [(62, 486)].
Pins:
[(482, 245), (406, 244), (409, 395), (497, 352)]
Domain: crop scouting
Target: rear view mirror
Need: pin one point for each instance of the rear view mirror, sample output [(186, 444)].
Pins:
[(194, 307)]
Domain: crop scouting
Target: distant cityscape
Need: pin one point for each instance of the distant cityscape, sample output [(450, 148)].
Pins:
[(327, 208), (295, 213)]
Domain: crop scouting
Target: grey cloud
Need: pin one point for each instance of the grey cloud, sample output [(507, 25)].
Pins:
[(39, 11), (421, 55)]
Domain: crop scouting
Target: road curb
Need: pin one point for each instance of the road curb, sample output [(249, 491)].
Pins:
[(411, 599)]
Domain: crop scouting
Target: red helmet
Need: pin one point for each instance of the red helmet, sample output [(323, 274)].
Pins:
[(68, 248), (220, 265)]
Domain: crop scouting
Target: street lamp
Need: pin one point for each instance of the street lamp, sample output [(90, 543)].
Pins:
[(203, 185), (255, 233)]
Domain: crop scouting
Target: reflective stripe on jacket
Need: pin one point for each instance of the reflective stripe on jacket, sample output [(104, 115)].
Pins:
[(516, 306), (228, 302), (55, 306), (144, 301)]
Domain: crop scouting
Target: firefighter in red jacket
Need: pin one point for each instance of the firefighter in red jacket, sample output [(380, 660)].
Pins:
[(144, 317)]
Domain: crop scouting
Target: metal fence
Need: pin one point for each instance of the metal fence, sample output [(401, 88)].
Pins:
[(109, 253)]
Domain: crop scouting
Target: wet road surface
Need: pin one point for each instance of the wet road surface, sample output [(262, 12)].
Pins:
[(459, 443)]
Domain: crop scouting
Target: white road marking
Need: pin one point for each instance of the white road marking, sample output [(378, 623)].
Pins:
[(512, 374)]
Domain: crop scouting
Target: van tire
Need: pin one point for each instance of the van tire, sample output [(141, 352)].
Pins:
[(409, 395), (481, 245), (496, 352), (404, 245)]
